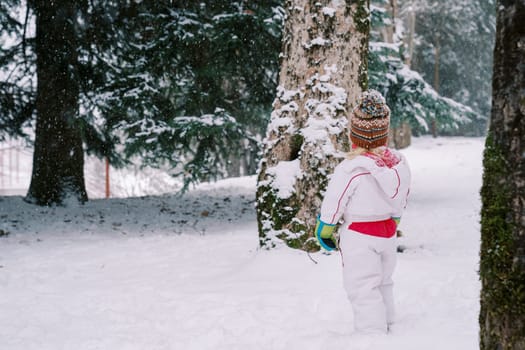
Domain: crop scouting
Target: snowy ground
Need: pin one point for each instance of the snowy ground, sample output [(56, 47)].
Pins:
[(185, 273)]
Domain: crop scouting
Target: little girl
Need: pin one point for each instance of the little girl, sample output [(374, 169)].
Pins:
[(369, 191)]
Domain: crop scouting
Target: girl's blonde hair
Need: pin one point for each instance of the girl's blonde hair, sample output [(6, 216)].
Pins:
[(357, 151)]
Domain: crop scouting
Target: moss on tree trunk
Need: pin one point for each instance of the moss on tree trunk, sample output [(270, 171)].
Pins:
[(502, 261), (502, 254)]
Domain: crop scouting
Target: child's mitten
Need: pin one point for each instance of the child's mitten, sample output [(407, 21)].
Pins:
[(397, 219), (325, 235)]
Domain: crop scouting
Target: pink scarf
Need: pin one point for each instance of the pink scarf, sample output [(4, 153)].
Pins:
[(388, 158)]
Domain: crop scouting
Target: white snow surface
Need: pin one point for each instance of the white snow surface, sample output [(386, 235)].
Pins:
[(169, 272)]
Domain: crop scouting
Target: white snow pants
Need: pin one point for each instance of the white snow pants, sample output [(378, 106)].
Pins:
[(368, 264)]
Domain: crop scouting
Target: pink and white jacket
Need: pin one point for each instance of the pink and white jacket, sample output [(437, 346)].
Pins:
[(366, 190)]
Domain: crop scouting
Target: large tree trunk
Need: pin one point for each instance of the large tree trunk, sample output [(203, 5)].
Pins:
[(323, 70), (58, 161), (502, 265)]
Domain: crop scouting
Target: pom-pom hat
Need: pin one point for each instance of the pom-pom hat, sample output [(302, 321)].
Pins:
[(370, 120)]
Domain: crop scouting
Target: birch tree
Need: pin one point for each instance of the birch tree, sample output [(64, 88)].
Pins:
[(323, 70), (502, 264)]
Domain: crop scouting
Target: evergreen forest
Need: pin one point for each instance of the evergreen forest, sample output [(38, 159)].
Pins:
[(189, 85)]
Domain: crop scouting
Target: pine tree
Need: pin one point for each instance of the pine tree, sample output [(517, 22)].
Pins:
[(58, 161), (411, 99), (453, 51), (188, 84), (194, 83), (63, 57), (17, 72), (502, 254), (323, 70)]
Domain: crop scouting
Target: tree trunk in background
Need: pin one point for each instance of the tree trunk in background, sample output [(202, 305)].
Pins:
[(234, 165), (409, 38), (433, 125), (389, 30), (323, 70), (399, 136), (58, 161), (502, 255)]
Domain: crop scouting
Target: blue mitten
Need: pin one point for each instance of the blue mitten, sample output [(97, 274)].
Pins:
[(325, 235)]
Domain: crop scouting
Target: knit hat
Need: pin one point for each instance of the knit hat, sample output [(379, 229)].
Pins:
[(370, 120)]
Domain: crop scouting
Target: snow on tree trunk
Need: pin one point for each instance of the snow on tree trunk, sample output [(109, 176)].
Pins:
[(323, 70), (502, 255), (58, 161)]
